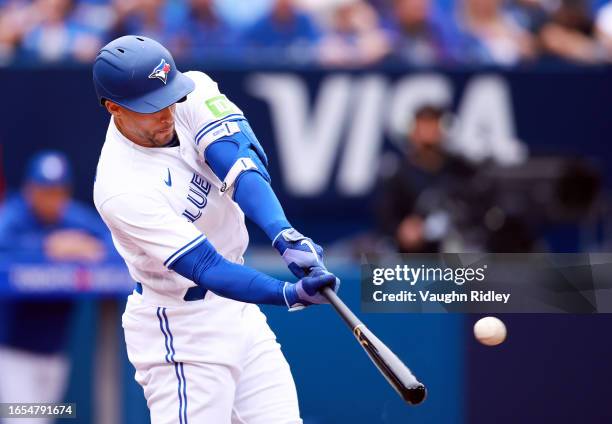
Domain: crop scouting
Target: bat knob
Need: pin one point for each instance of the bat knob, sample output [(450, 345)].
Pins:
[(415, 395)]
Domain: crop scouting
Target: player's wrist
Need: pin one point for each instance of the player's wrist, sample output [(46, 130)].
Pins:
[(277, 230), (291, 297)]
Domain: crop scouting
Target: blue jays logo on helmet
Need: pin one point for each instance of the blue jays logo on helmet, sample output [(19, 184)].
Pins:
[(161, 71)]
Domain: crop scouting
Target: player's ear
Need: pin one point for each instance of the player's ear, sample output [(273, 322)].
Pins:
[(112, 107)]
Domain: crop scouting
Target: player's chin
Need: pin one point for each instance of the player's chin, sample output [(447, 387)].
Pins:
[(163, 137), (166, 131)]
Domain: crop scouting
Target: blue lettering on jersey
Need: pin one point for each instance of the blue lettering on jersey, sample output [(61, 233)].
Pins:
[(197, 196)]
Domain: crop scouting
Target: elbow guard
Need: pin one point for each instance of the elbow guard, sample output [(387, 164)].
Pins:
[(249, 155)]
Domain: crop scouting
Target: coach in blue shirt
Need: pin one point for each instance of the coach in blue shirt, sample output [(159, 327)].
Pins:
[(42, 223)]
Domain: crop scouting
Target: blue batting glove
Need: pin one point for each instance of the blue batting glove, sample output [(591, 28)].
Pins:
[(300, 253), (306, 291)]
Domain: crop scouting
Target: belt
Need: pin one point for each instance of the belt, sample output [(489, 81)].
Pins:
[(193, 293)]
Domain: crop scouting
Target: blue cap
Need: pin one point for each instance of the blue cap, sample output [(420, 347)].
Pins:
[(49, 168), (139, 74)]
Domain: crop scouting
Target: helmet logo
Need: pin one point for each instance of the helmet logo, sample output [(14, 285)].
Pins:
[(161, 71)]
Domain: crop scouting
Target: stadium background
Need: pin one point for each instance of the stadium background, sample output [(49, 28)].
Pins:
[(348, 116)]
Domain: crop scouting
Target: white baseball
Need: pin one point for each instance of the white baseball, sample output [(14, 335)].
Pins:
[(490, 331)]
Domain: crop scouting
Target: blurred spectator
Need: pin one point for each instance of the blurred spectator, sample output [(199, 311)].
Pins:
[(502, 40), (97, 15), (417, 36), (332, 32), (285, 34), (239, 17), (570, 34), (57, 36), (353, 36), (206, 35), (17, 17), (411, 210), (42, 223), (531, 15), (604, 28), (2, 177), (157, 19)]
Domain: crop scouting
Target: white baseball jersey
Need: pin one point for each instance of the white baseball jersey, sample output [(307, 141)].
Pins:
[(161, 202), (206, 361)]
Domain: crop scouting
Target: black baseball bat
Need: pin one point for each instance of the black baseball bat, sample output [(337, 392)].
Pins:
[(394, 370)]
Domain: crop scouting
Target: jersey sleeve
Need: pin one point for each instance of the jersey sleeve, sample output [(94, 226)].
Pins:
[(210, 113), (146, 225)]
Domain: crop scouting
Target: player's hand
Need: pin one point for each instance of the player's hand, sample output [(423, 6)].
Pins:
[(307, 290), (73, 245), (300, 253)]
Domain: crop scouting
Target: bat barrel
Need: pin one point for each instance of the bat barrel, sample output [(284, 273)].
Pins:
[(392, 368), (415, 395)]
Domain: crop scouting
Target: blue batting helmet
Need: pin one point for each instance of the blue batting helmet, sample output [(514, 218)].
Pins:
[(49, 168), (139, 74)]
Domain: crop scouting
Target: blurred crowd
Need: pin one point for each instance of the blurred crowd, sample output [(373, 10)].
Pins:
[(324, 32)]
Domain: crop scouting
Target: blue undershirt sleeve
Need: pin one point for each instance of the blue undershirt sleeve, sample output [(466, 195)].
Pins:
[(207, 268), (252, 192)]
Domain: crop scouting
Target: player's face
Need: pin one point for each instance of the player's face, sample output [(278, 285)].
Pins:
[(145, 129), (47, 203)]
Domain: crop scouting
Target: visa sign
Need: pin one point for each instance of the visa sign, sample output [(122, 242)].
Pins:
[(350, 116)]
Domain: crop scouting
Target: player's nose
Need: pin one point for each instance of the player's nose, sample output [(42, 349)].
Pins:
[(166, 115)]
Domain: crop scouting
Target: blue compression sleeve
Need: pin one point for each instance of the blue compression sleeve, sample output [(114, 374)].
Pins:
[(251, 191), (207, 268), (258, 201)]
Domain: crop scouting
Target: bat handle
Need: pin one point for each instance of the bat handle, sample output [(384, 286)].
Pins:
[(347, 315)]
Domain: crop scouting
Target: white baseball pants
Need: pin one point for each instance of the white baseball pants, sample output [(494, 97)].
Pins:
[(212, 361)]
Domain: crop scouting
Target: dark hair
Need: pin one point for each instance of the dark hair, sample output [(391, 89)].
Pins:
[(429, 112)]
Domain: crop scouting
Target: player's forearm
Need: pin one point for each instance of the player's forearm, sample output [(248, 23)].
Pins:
[(260, 204), (254, 195), (242, 283), (207, 268)]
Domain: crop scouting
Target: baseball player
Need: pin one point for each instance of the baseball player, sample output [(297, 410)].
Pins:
[(178, 171)]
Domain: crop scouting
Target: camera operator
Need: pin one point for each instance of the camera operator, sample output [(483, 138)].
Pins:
[(408, 210), (437, 201)]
